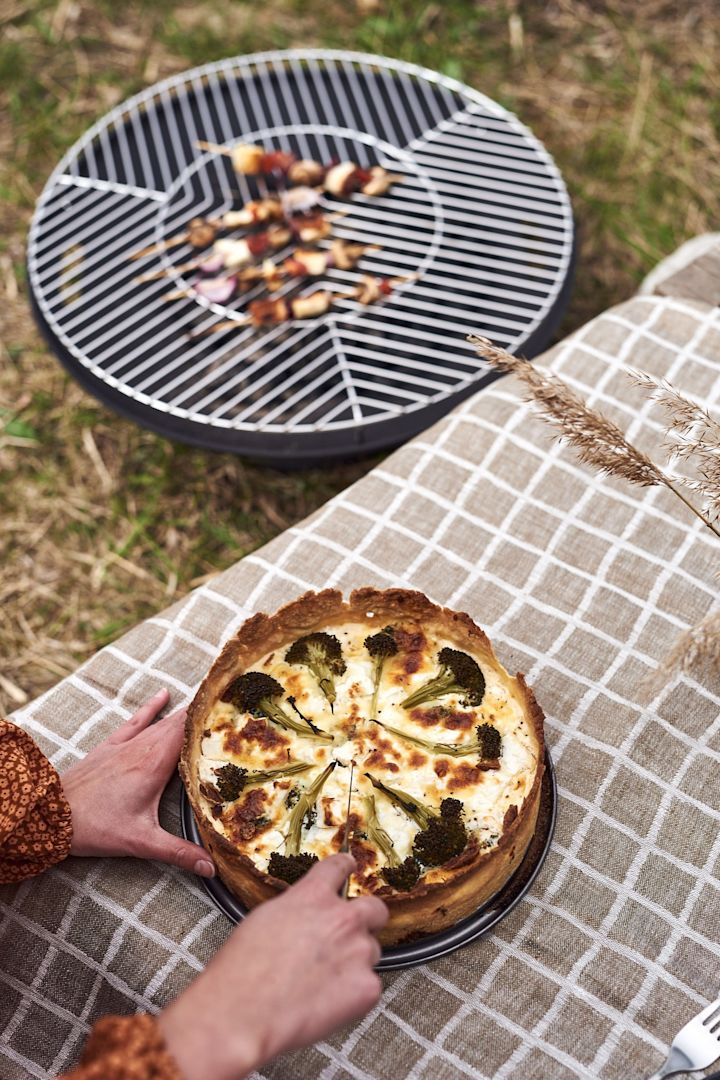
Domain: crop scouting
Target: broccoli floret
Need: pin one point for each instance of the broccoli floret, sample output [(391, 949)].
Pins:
[(380, 646), (232, 779), (290, 868), (442, 833), (459, 674), (490, 742), (230, 782), (404, 876), (444, 838), (303, 810), (256, 693), (321, 653)]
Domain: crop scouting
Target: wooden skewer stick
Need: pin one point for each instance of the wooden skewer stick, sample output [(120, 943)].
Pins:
[(155, 275), (156, 249), (180, 294), (219, 328), (390, 281), (213, 148)]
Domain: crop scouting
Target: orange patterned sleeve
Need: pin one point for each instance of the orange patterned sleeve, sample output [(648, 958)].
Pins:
[(125, 1048), (35, 820)]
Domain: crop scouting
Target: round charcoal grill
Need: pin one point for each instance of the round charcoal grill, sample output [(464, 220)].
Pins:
[(481, 225)]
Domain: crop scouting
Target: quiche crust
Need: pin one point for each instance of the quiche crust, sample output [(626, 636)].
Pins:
[(446, 894)]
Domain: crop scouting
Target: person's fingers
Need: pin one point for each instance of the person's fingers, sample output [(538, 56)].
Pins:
[(167, 737), (329, 873), (374, 950), (167, 848), (371, 911), (140, 720)]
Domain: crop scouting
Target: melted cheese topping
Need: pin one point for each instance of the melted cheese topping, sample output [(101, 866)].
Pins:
[(257, 822)]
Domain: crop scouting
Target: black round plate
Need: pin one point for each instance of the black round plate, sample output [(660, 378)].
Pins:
[(433, 946)]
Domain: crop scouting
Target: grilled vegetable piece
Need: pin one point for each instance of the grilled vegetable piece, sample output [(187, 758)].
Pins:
[(404, 876), (322, 654), (232, 779), (256, 693), (290, 868), (459, 674), (380, 646), (444, 838), (304, 808), (488, 743), (230, 782), (306, 171), (442, 833)]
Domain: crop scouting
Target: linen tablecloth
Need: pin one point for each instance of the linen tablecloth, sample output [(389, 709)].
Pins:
[(582, 583)]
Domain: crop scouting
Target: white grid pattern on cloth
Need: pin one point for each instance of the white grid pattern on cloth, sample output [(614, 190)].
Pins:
[(535, 674), (274, 572)]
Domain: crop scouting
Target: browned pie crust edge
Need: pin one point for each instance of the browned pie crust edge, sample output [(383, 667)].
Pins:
[(475, 875)]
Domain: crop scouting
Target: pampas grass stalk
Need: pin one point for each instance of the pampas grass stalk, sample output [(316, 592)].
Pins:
[(693, 435), (598, 441), (696, 650)]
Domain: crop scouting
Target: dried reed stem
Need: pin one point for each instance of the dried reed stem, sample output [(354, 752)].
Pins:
[(693, 435), (598, 441), (697, 650)]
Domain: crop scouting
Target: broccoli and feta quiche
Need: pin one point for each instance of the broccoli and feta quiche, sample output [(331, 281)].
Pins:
[(447, 750)]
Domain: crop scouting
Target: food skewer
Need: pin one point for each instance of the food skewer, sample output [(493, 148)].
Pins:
[(202, 232), (262, 313), (251, 160), (228, 253), (235, 254), (302, 263), (341, 178)]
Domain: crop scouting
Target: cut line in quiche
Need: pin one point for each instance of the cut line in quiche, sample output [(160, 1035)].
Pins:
[(447, 749)]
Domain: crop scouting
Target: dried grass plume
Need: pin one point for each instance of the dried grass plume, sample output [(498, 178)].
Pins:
[(598, 441), (692, 436), (696, 652)]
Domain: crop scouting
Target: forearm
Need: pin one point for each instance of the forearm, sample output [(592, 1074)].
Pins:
[(203, 1043), (35, 819)]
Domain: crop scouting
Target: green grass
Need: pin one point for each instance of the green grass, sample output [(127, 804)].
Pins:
[(625, 96)]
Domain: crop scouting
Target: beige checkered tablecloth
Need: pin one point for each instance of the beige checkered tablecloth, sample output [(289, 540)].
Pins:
[(583, 583)]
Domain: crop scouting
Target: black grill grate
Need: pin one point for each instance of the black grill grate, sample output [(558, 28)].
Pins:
[(482, 217)]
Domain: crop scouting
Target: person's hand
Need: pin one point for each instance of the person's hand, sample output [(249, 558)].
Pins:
[(296, 968), (115, 790)]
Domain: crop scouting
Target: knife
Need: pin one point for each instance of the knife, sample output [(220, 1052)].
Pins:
[(345, 846)]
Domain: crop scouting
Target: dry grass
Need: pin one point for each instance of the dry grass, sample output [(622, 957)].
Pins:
[(102, 523)]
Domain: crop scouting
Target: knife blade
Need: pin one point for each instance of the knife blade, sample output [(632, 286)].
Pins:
[(345, 846)]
